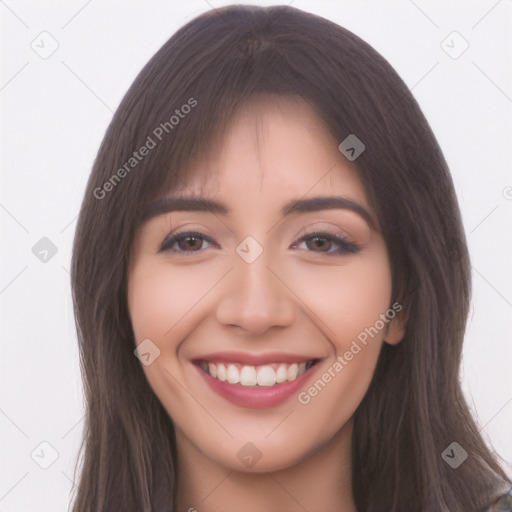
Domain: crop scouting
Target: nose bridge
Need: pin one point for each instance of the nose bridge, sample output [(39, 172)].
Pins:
[(255, 282), (254, 298)]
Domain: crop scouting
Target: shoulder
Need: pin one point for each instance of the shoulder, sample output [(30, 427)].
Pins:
[(502, 503)]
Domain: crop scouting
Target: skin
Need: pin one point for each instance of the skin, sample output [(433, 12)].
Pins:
[(296, 297)]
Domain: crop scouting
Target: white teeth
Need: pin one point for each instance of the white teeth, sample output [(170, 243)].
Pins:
[(281, 373), (264, 376), (221, 372), (233, 375), (292, 371), (248, 376)]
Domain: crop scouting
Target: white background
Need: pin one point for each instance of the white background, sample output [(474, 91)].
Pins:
[(54, 115)]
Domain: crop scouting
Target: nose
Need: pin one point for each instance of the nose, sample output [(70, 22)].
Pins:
[(255, 298)]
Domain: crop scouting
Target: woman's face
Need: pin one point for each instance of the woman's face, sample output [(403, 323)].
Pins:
[(269, 282)]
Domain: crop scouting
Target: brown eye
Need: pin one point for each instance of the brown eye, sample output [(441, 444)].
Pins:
[(327, 243), (192, 243), (317, 242), (188, 242)]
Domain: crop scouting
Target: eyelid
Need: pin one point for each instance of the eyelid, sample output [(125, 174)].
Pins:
[(345, 244), (328, 228), (343, 241), (173, 237)]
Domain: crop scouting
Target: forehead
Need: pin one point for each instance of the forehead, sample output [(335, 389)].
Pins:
[(274, 146)]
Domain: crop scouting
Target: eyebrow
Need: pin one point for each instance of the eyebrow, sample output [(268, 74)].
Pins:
[(295, 206)]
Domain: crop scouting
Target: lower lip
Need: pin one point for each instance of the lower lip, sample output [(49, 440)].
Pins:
[(256, 397)]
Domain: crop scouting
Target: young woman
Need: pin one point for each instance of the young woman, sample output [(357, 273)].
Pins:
[(271, 285)]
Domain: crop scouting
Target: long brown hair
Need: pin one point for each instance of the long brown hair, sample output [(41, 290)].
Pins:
[(414, 408)]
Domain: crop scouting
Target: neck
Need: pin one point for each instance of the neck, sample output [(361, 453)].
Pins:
[(322, 482)]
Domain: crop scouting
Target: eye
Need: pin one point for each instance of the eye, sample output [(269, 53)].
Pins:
[(327, 243), (185, 242), (321, 242)]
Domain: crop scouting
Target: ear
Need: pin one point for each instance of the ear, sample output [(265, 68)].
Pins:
[(396, 328)]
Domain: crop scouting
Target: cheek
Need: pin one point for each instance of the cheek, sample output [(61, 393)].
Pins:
[(150, 298), (165, 300), (345, 299), (165, 305), (348, 302)]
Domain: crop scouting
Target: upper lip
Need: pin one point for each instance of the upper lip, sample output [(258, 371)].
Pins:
[(255, 359)]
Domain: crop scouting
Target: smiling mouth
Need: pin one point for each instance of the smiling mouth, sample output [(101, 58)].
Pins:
[(265, 375)]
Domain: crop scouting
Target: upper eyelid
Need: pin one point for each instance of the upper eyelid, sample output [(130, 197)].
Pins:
[(190, 232), (304, 235)]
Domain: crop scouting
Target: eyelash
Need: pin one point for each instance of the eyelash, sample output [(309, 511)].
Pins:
[(345, 245)]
